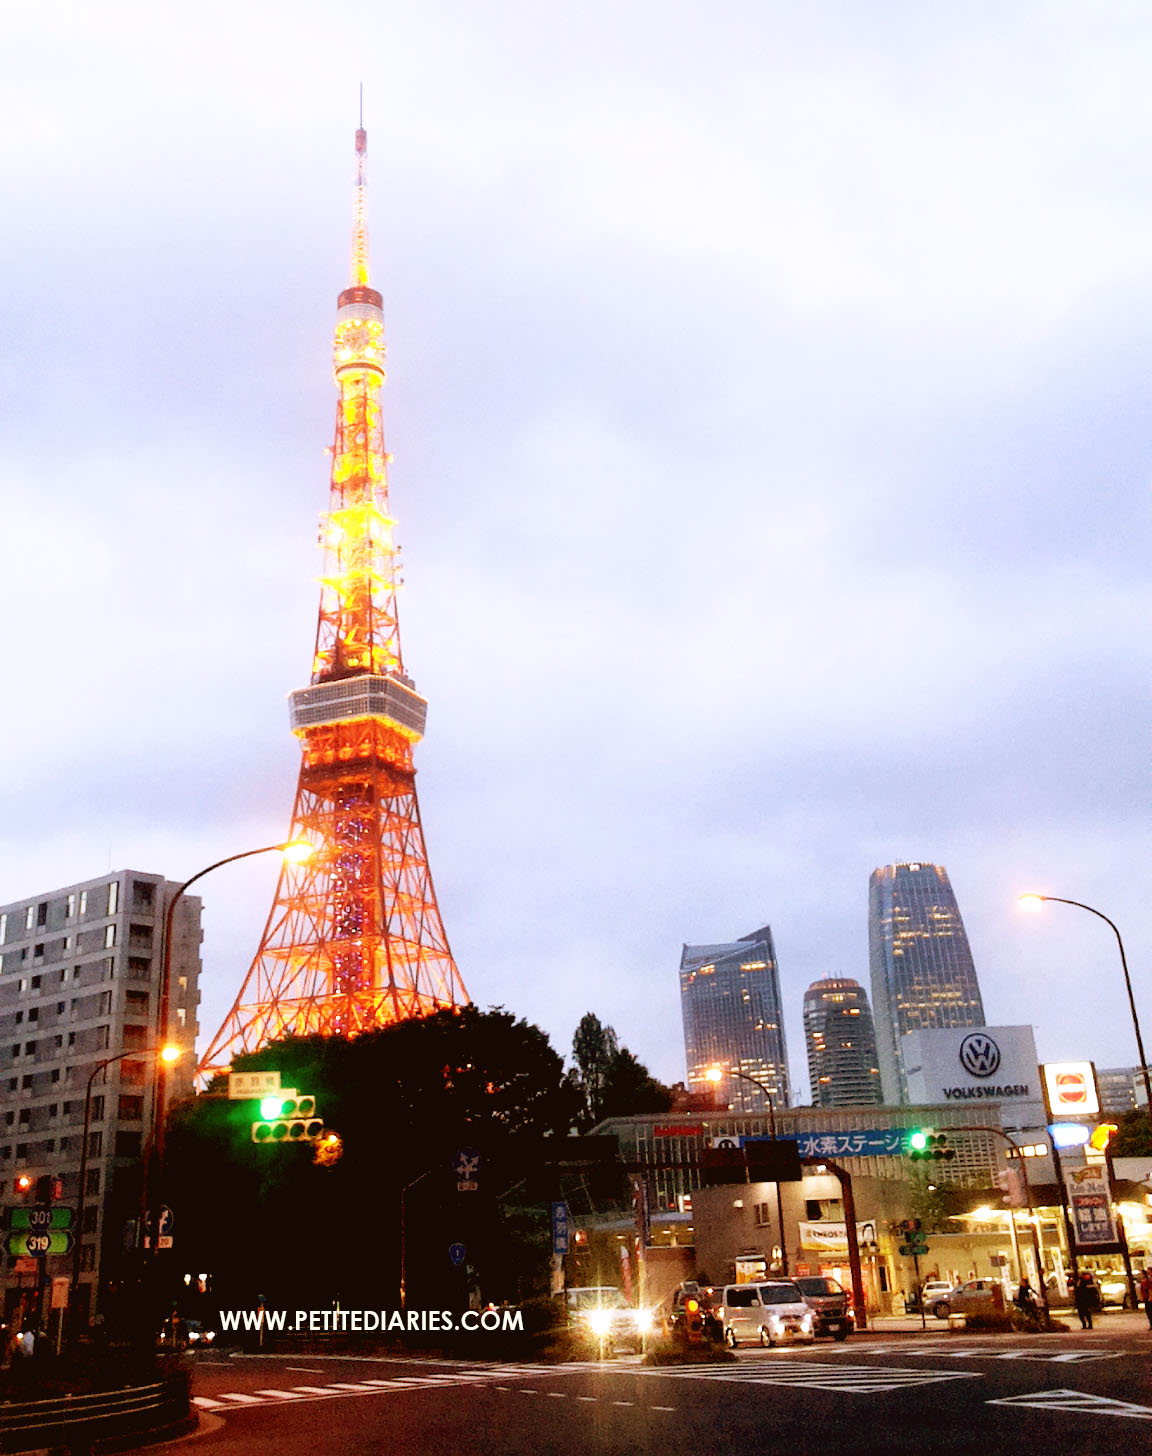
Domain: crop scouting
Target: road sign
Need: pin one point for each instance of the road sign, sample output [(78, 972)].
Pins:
[(26, 1266), (164, 1242), (242, 1085), (166, 1222), (60, 1292), (457, 1253), (466, 1165), (41, 1217), (22, 1243)]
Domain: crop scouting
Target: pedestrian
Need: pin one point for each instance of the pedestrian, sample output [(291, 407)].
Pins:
[(1084, 1298), (1144, 1290)]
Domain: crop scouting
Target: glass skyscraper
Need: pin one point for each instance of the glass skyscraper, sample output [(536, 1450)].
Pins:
[(922, 971), (730, 1001), (841, 1042)]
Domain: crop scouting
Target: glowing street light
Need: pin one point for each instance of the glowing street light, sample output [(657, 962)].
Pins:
[(1035, 902)]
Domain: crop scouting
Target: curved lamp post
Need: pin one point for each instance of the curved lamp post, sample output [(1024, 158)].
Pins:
[(716, 1075), (166, 1054), (295, 851), (1034, 902)]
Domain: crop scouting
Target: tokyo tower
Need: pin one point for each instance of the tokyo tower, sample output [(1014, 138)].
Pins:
[(355, 939)]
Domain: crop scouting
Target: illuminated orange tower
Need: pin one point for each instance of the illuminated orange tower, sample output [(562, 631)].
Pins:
[(354, 939)]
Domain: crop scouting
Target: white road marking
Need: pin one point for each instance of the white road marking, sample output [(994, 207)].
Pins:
[(206, 1402), (1076, 1400), (243, 1399), (852, 1378), (281, 1394)]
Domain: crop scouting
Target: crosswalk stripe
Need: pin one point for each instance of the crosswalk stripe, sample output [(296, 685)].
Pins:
[(242, 1399), (206, 1402), (312, 1389), (281, 1394)]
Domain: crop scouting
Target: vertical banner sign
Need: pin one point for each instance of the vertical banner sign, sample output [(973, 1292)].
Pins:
[(559, 1228), (640, 1209), (1090, 1204)]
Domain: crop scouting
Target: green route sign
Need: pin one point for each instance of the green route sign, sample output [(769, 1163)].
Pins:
[(42, 1217), (21, 1244)]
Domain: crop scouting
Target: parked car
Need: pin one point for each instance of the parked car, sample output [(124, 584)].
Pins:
[(929, 1293), (829, 1303), (602, 1316), (769, 1313), (975, 1296), (1114, 1289)]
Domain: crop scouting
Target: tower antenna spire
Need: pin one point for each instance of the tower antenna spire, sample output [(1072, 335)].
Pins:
[(354, 940)]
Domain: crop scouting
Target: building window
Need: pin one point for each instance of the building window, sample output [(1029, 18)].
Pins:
[(88, 1253), (131, 1109), (97, 1112), (33, 1013), (30, 917), (26, 1082), (109, 937), (92, 1181), (25, 1116), (132, 1074), (95, 1144), (83, 902), (113, 896), (134, 1036), (143, 895), (103, 1039), (3, 928), (42, 913), (91, 1214), (36, 982), (19, 1019), (29, 1048), (105, 1003), (70, 907)]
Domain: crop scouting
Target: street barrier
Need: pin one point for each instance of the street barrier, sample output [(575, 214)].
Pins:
[(118, 1418)]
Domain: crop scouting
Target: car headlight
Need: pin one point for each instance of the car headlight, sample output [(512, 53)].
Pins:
[(806, 1321), (775, 1322), (599, 1321), (645, 1319)]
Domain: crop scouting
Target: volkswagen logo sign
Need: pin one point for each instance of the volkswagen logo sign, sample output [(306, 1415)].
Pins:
[(979, 1054)]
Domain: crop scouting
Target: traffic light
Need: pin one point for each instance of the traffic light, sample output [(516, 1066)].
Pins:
[(49, 1189), (1011, 1183), (288, 1120), (926, 1142), (23, 1184), (1101, 1135)]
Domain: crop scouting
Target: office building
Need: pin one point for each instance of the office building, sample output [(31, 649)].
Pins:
[(841, 1041), (79, 1000), (923, 977), (1121, 1089), (730, 1002)]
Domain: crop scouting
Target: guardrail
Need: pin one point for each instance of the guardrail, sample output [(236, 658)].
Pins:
[(113, 1417)]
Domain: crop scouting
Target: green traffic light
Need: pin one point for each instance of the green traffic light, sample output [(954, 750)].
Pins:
[(918, 1140), (270, 1107)]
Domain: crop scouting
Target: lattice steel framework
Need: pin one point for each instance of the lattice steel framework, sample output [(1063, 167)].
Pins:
[(354, 939)]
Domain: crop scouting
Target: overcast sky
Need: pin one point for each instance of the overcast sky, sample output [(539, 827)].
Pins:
[(769, 394)]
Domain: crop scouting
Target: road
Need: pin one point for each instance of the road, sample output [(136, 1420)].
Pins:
[(1059, 1394)]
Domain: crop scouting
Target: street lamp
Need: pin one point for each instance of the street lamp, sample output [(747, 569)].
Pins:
[(716, 1075), (295, 851), (167, 1054), (1034, 902)]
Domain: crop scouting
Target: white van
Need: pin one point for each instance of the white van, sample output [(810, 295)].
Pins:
[(771, 1313)]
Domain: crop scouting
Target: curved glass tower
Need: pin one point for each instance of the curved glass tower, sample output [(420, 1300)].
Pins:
[(841, 1042), (922, 971)]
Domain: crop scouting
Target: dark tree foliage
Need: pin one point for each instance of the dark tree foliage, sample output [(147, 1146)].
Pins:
[(609, 1079), (1134, 1137), (267, 1220)]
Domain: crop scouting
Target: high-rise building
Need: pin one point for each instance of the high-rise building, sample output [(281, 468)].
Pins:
[(841, 1042), (922, 971), (730, 1002), (1121, 1088), (80, 999), (355, 939)]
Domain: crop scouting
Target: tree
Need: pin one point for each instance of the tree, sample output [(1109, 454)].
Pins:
[(609, 1079), (405, 1100), (1134, 1138), (594, 1047)]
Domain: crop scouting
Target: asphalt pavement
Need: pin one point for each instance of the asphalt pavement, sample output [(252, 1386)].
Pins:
[(894, 1389)]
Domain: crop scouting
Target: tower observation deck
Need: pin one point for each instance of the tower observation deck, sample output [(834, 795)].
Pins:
[(354, 939)]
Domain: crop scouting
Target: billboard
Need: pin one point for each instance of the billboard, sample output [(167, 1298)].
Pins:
[(968, 1065), (1071, 1089)]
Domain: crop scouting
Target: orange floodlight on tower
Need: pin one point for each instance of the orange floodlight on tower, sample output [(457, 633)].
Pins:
[(355, 939)]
